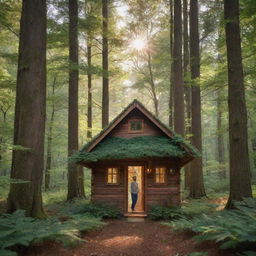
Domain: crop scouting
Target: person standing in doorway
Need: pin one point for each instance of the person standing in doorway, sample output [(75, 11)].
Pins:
[(134, 192)]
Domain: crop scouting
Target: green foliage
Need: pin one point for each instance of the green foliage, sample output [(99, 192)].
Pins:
[(16, 229), (215, 185), (231, 228), (246, 253), (196, 207), (254, 190), (54, 197), (82, 207), (137, 147), (197, 254), (164, 213), (192, 208)]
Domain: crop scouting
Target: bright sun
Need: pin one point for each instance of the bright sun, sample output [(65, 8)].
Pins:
[(138, 44)]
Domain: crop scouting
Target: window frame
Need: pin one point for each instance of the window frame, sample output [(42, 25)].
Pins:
[(117, 176), (136, 131), (165, 175)]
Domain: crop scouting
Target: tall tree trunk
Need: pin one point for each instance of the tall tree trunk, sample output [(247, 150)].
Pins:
[(89, 77), (187, 87), (240, 184), (220, 134), (152, 83), (73, 172), (220, 137), (47, 176), (29, 124), (81, 180), (197, 189), (105, 79), (171, 66), (178, 88)]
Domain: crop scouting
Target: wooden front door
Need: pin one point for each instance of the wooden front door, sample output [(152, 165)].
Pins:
[(138, 171)]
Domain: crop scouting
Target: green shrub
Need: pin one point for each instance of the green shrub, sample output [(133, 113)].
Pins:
[(54, 197), (101, 210), (164, 213), (79, 206), (196, 207), (197, 254), (16, 229), (215, 185), (231, 228), (192, 208)]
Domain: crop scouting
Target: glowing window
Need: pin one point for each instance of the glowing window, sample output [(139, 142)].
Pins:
[(160, 175), (112, 175)]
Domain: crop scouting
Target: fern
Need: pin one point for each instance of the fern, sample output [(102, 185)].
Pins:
[(16, 229), (82, 207), (7, 253), (230, 228), (197, 254), (189, 210), (164, 213)]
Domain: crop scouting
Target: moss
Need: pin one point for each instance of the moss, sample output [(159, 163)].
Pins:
[(137, 147)]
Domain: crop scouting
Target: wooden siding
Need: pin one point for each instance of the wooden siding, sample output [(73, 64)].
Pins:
[(167, 194), (122, 129), (155, 194), (107, 193)]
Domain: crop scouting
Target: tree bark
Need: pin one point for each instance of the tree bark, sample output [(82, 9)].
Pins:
[(220, 137), (171, 66), (81, 180), (187, 87), (29, 123), (178, 89), (73, 172), (105, 79), (240, 183), (89, 77), (197, 189), (47, 177)]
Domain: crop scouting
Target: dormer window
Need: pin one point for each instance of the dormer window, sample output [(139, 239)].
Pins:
[(136, 125)]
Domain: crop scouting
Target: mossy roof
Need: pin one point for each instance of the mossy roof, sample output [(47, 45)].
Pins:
[(134, 148), (102, 147)]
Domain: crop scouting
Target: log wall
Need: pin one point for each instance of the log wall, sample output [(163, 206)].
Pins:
[(149, 129), (155, 194)]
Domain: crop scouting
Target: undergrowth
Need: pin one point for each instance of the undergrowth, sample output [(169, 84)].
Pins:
[(188, 210), (231, 228), (18, 230), (84, 207)]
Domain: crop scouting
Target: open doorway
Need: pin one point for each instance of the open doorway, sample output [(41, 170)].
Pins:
[(138, 172)]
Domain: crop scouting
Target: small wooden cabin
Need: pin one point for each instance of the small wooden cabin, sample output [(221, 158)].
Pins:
[(135, 143)]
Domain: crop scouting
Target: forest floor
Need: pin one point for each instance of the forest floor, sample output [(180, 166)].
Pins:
[(123, 238)]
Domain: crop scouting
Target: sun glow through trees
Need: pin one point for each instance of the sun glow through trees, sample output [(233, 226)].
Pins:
[(138, 44)]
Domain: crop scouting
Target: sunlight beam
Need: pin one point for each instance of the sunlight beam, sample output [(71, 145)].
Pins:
[(138, 44)]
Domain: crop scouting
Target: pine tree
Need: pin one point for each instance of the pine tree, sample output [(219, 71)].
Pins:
[(187, 85), (197, 189), (178, 88), (171, 66), (74, 189), (105, 79), (240, 185), (28, 164)]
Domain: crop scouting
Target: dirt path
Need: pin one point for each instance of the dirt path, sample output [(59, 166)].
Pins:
[(122, 238)]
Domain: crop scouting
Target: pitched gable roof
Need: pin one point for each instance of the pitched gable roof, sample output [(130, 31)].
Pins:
[(137, 105)]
